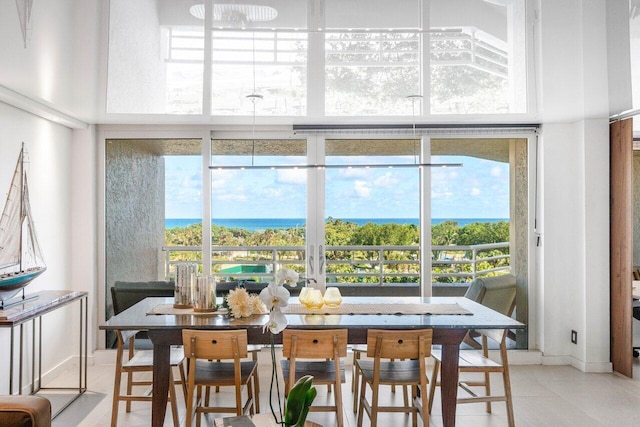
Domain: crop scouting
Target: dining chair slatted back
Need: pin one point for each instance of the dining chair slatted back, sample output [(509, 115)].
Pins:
[(474, 362), (215, 361), (138, 362), (399, 358), (326, 348)]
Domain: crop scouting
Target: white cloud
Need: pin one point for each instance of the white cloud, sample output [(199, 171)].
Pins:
[(435, 194), (218, 183), (362, 189), (232, 197), (355, 173), (387, 180), (475, 191), (292, 176), (496, 171), (192, 181), (275, 193)]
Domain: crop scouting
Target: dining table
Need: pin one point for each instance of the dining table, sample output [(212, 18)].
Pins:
[(449, 317)]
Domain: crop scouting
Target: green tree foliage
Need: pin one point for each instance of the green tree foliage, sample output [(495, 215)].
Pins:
[(339, 232), (483, 232), (359, 266)]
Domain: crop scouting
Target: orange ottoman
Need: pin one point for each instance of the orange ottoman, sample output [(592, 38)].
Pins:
[(25, 411)]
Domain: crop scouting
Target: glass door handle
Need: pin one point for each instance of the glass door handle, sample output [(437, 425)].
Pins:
[(321, 256), (311, 262)]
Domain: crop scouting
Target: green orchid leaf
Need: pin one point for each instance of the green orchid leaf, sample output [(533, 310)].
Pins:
[(299, 400)]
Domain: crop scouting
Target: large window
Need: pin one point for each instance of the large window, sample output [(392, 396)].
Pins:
[(359, 212)]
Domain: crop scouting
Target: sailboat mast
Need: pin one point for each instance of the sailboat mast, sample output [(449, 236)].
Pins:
[(21, 204)]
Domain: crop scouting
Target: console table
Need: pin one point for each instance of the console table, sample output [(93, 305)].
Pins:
[(32, 309)]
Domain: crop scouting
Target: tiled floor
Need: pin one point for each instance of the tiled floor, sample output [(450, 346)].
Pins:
[(543, 396)]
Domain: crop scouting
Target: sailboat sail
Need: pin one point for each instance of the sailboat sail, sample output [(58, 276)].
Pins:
[(11, 221), (20, 257)]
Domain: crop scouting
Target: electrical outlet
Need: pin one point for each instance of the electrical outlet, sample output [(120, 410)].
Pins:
[(574, 336)]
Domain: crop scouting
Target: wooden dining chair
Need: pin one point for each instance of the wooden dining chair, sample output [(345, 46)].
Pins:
[(357, 351), (473, 361), (203, 350), (327, 347), (137, 362), (409, 349)]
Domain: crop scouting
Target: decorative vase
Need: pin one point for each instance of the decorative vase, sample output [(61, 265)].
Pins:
[(205, 294), (313, 299), (185, 284), (332, 297)]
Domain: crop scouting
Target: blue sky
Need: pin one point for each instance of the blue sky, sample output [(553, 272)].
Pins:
[(479, 189)]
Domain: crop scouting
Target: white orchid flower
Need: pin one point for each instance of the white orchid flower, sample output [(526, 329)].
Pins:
[(274, 297), (277, 322), (288, 276)]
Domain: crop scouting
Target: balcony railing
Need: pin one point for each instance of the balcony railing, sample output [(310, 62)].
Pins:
[(375, 264)]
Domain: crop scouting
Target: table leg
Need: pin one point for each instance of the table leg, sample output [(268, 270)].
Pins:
[(161, 371), (449, 383)]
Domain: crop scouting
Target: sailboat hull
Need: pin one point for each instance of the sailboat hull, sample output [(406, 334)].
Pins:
[(11, 284)]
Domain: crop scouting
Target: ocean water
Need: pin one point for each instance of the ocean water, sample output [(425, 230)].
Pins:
[(255, 224)]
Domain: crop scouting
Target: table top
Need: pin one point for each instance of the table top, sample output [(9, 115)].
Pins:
[(481, 317), (37, 304)]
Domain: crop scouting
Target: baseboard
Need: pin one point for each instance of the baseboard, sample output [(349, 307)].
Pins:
[(555, 360), (593, 367)]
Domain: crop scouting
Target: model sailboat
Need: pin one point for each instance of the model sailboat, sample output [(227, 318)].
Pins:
[(20, 257)]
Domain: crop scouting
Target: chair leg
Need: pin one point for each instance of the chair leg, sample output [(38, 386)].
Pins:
[(238, 399), (256, 384), (375, 390), (393, 386), (405, 395), (414, 414), (434, 382), (250, 397), (338, 399), (361, 406), (183, 380), (174, 401), (116, 393), (355, 377), (487, 388), (425, 400), (129, 389), (506, 379), (189, 404), (198, 417), (207, 395)]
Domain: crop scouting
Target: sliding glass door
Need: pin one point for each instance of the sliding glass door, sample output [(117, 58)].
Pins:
[(371, 220), (258, 216), (346, 210)]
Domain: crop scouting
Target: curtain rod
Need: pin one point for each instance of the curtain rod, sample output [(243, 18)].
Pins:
[(410, 126), (624, 115)]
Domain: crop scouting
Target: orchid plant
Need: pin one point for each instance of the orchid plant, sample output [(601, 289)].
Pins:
[(275, 297)]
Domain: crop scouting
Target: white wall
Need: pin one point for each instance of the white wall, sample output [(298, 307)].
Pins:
[(51, 187), (574, 283), (59, 70), (59, 64)]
